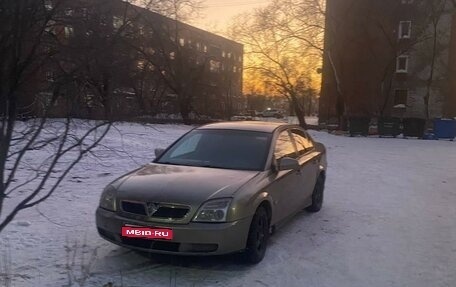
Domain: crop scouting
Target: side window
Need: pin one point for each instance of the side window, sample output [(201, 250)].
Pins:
[(303, 143), (188, 146), (284, 146)]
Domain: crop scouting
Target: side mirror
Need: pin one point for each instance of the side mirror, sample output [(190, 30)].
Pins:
[(288, 163), (159, 152)]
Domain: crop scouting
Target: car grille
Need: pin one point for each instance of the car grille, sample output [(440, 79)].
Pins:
[(171, 212), (163, 211), (133, 207)]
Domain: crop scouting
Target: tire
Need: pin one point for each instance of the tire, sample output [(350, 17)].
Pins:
[(317, 195), (258, 237)]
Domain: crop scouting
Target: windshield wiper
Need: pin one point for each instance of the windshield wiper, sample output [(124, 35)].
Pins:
[(172, 163), (220, 167), (200, 165)]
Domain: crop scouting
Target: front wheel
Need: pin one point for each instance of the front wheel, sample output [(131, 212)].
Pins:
[(258, 237), (317, 195)]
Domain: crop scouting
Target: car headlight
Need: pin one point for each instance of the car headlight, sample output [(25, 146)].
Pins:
[(108, 198), (213, 211)]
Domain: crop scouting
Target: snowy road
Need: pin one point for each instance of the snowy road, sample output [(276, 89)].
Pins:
[(389, 219)]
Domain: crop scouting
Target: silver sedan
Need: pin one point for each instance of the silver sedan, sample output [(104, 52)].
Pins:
[(221, 188)]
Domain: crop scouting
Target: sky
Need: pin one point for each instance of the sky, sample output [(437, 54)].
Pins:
[(216, 14)]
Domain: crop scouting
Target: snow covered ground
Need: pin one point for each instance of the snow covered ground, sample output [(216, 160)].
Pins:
[(389, 219)]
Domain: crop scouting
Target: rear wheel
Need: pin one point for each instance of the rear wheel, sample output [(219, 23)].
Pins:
[(317, 195), (258, 237)]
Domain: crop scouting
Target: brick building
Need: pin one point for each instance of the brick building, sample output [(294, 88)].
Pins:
[(381, 59), (112, 57)]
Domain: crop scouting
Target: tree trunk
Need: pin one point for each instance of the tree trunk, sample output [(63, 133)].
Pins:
[(430, 80), (184, 109), (340, 108), (299, 112)]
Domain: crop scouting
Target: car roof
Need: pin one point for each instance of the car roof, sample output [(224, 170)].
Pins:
[(257, 126)]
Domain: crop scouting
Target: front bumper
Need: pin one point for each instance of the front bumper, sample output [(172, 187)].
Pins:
[(188, 239)]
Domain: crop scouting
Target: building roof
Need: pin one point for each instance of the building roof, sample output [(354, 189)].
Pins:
[(257, 126), (147, 12)]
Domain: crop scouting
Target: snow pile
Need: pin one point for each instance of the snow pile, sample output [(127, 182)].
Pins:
[(388, 220)]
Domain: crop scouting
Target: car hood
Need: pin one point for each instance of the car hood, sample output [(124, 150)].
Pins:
[(180, 184)]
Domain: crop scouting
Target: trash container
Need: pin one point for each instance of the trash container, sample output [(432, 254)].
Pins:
[(389, 127), (445, 129), (413, 127), (359, 126)]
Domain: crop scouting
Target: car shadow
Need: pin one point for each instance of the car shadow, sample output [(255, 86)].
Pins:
[(231, 262)]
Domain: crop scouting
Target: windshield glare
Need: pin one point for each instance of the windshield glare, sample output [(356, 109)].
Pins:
[(228, 149)]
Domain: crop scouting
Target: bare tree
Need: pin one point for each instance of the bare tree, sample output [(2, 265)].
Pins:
[(32, 36), (280, 51), (176, 64), (436, 46)]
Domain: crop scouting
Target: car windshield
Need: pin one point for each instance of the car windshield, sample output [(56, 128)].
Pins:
[(228, 149)]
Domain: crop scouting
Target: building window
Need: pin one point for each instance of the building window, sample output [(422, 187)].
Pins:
[(141, 64), (223, 54), (405, 29), (402, 64), (400, 97), (103, 21), (172, 55), (182, 42), (84, 12), (240, 58), (48, 4), (141, 30), (198, 46), (50, 26), (205, 49), (69, 31), (50, 76), (150, 51), (90, 101), (69, 12), (234, 69), (117, 22), (229, 55), (214, 66)]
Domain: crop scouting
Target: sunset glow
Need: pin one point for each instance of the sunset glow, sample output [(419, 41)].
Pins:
[(217, 14)]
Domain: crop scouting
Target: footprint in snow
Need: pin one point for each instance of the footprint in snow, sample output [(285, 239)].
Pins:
[(104, 174), (23, 223), (79, 177)]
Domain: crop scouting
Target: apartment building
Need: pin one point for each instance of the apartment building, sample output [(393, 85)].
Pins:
[(112, 57), (389, 58)]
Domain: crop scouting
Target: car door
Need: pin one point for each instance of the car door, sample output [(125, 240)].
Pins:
[(284, 186), (308, 158)]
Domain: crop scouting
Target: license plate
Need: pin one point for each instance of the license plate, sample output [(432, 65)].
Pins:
[(147, 232)]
